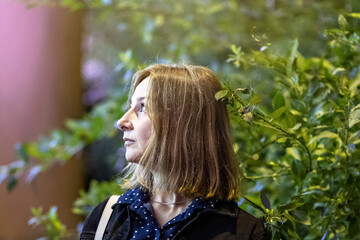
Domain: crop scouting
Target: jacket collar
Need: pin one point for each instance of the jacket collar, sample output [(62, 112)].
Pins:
[(136, 197), (229, 208)]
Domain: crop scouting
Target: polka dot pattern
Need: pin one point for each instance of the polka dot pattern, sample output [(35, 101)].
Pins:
[(144, 225)]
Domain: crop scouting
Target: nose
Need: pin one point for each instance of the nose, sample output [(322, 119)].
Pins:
[(124, 123)]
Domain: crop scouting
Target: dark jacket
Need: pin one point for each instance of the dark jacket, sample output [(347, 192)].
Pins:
[(225, 221)]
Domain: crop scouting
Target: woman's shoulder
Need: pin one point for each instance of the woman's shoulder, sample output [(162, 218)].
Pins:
[(247, 225), (247, 222), (92, 220)]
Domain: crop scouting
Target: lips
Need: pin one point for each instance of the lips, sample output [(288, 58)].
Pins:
[(128, 141)]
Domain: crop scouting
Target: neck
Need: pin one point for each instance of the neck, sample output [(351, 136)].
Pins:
[(166, 206), (169, 199)]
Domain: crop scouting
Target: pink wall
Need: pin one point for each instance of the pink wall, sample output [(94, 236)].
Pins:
[(40, 86)]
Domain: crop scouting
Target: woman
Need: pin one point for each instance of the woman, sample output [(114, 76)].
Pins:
[(182, 170)]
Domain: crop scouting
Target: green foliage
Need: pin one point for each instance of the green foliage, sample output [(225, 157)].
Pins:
[(201, 31), (60, 145), (54, 229), (147, 29), (97, 193), (303, 150), (295, 117)]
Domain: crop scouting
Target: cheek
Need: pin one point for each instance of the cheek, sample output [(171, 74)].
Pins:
[(145, 133)]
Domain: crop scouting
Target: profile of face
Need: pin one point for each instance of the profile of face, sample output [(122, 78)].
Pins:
[(136, 124)]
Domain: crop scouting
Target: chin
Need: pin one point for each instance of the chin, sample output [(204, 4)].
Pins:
[(132, 158)]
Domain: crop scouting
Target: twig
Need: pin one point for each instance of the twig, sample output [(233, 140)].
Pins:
[(268, 176), (279, 128)]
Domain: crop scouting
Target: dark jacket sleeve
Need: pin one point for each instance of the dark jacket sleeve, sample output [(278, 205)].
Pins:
[(91, 222), (250, 226)]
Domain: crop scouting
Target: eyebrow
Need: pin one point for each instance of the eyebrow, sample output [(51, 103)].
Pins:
[(137, 99)]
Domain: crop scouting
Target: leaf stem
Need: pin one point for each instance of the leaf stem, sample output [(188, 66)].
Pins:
[(291, 135), (268, 176), (254, 205), (279, 128)]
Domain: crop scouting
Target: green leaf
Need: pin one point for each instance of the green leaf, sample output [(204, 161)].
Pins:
[(353, 137), (277, 113), (338, 70), (255, 99), (319, 96), (36, 211), (54, 228), (294, 152), (234, 49), (12, 182), (293, 234), (264, 124), (21, 152), (289, 119), (278, 100), (342, 22), (293, 204), (243, 90), (52, 212), (298, 169), (254, 205), (282, 140), (325, 134), (293, 51), (279, 231), (354, 85), (354, 15), (354, 116), (300, 62), (221, 94), (296, 127), (97, 192), (298, 105), (265, 200), (280, 67), (300, 216)]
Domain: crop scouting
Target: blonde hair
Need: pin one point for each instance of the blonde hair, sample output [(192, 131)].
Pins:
[(189, 150)]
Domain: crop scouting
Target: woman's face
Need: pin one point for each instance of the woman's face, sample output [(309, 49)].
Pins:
[(136, 124)]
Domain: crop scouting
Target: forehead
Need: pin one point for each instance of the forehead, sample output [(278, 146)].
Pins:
[(142, 90)]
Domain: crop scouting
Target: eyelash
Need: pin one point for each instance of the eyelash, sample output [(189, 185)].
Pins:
[(142, 107)]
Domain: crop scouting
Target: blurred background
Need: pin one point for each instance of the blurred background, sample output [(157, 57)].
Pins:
[(65, 68)]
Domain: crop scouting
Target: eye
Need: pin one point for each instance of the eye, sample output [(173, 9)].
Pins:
[(142, 107)]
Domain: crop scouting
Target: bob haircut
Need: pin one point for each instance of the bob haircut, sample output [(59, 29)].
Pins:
[(190, 148)]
